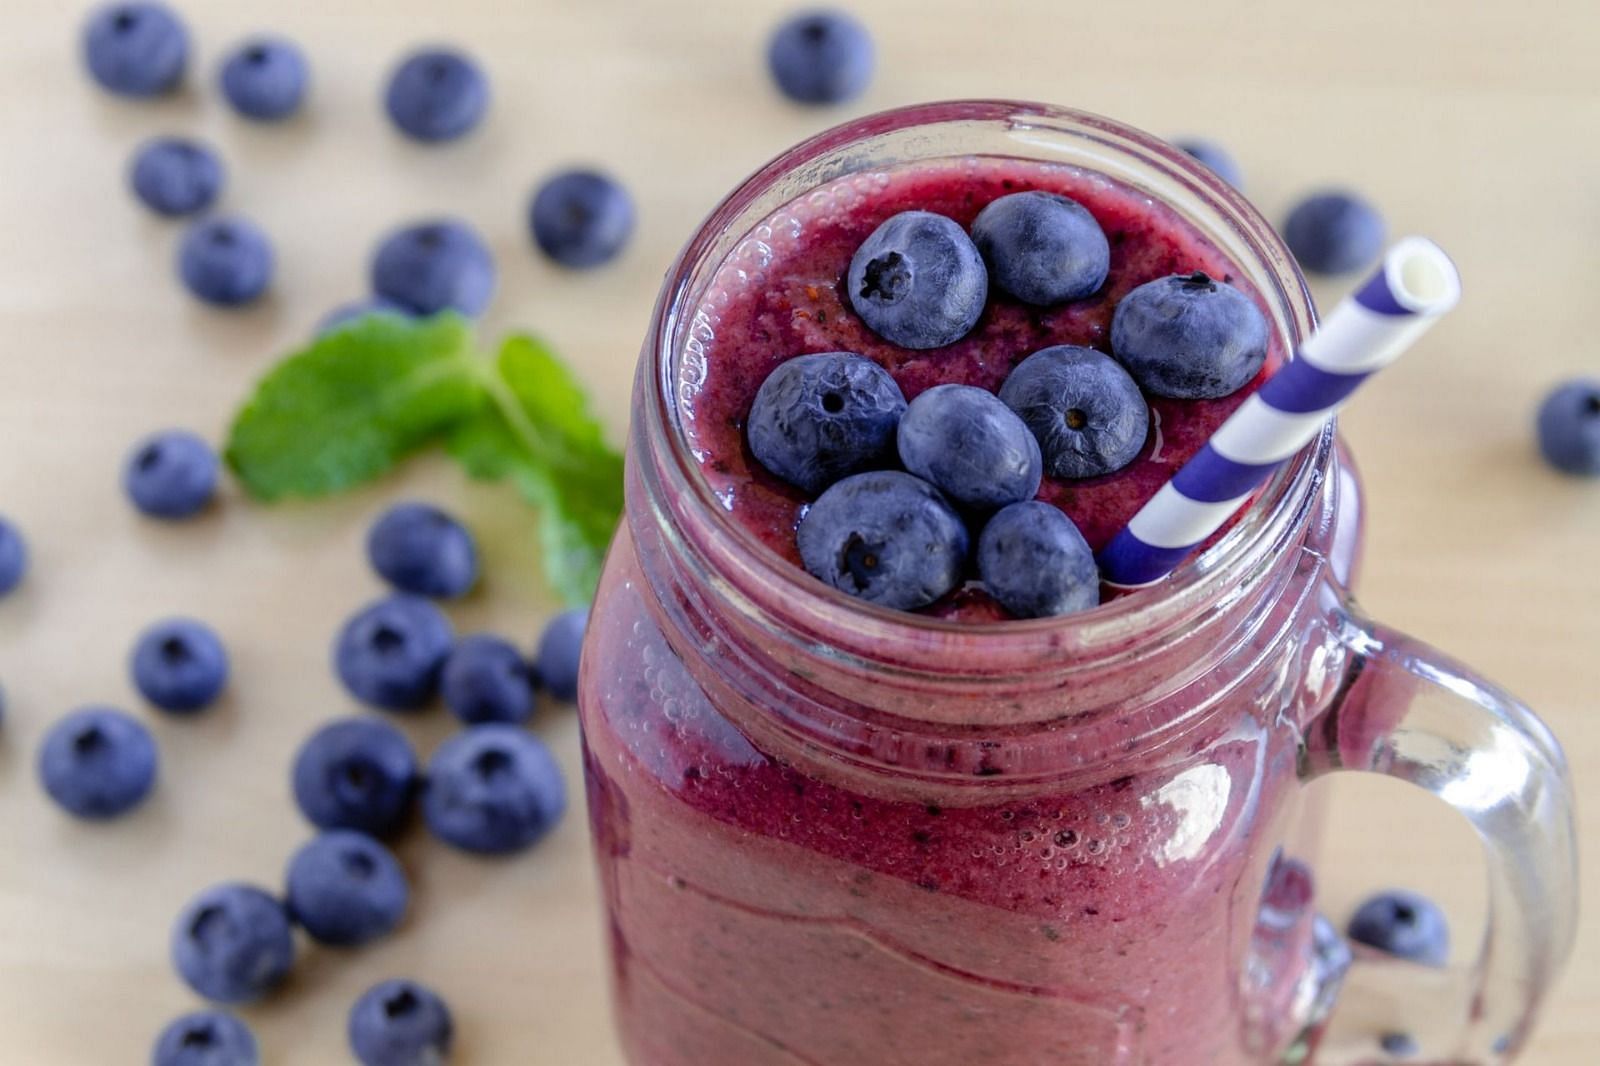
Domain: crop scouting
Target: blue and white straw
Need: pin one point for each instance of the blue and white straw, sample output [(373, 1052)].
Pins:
[(1415, 285)]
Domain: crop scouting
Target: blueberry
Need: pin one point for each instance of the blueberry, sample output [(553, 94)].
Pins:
[(1569, 432), (886, 537), (821, 57), (1036, 563), (400, 1023), (355, 310), (1189, 337), (232, 943), (420, 549), (1334, 233), (265, 78), (817, 418), (972, 447), (438, 265), (1403, 924), (1042, 248), (355, 773), (581, 218), (1085, 411), (1218, 158), (206, 1038), (179, 665), (135, 48), (436, 94), (172, 475), (13, 556), (556, 661), (391, 652), (487, 680), (98, 763), (493, 789), (175, 176), (346, 889), (918, 281), (226, 262), (1399, 1045)]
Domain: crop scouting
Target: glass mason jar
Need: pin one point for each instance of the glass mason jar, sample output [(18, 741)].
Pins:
[(834, 835)]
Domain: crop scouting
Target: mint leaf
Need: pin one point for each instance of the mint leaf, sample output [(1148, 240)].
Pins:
[(538, 433), (355, 402)]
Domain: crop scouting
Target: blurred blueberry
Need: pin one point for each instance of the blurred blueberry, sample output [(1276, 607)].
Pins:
[(400, 1023), (1403, 924), (135, 48), (1569, 430), (432, 266), (225, 262), (13, 556), (206, 1038), (420, 549), (1334, 232), (821, 57), (581, 218), (487, 680), (265, 78), (390, 653), (175, 176), (346, 889), (171, 475), (355, 773), (232, 943), (98, 763), (493, 789), (557, 659), (436, 94), (1218, 158), (179, 665)]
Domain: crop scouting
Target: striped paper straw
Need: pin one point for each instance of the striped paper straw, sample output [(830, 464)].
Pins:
[(1415, 285)]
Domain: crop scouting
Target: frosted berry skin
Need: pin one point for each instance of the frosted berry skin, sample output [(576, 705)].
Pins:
[(821, 417)]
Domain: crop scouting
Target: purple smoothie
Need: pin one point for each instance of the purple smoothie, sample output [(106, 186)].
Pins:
[(772, 904), (781, 294)]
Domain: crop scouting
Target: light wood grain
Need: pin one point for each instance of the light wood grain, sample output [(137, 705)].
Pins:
[(1474, 123)]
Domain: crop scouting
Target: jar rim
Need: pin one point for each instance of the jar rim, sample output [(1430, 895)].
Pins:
[(855, 628)]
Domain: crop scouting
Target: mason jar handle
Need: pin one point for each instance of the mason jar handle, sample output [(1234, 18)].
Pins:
[(1407, 711)]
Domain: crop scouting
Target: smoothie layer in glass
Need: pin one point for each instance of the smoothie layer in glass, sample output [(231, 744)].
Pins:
[(781, 294)]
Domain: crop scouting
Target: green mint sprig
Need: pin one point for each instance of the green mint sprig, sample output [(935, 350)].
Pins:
[(359, 399)]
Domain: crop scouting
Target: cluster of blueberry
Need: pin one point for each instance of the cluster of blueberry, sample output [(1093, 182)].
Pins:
[(579, 218), (830, 423), (491, 789)]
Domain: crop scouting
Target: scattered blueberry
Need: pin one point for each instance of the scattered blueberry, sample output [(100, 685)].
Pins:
[(136, 48), (817, 418), (1334, 233), (1400, 1045), (1569, 432), (400, 1023), (345, 314), (206, 1038), (391, 652), (98, 763), (487, 680), (232, 943), (265, 78), (821, 57), (13, 556), (175, 176), (972, 447), (886, 537), (581, 218), (355, 773), (226, 262), (1403, 924), (918, 281), (1086, 412), (433, 266), (1189, 337), (557, 660), (172, 475), (420, 549), (1042, 248), (1218, 158), (437, 94), (346, 889), (1035, 562), (493, 789), (179, 665)]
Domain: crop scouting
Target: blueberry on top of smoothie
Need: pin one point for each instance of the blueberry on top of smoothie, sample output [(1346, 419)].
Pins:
[(1042, 248), (918, 281), (817, 418), (1035, 562), (1189, 337), (1087, 413), (885, 537), (971, 446)]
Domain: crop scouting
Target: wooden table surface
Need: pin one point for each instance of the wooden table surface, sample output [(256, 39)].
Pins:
[(1474, 123)]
